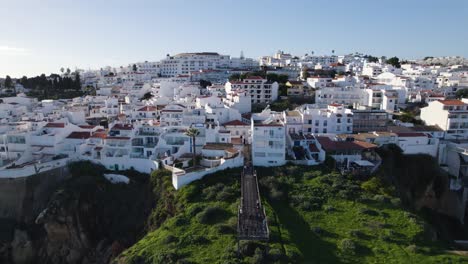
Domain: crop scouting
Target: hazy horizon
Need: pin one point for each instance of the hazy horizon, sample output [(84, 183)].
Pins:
[(43, 37)]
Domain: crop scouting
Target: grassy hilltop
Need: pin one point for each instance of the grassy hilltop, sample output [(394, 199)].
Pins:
[(315, 216)]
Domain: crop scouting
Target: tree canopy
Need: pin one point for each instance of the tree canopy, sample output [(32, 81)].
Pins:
[(462, 93), (53, 86), (394, 61), (8, 82)]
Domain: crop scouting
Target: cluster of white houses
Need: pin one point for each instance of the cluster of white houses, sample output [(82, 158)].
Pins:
[(350, 117)]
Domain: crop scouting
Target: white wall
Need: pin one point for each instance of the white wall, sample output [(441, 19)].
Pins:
[(181, 179)]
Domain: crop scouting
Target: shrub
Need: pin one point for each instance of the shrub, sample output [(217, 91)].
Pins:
[(194, 209), (166, 257), (211, 215), (275, 254), (396, 201), (258, 256), (412, 249), (368, 212), (373, 185), (306, 206), (248, 248), (317, 230), (276, 194), (356, 233), (226, 195), (169, 239), (329, 208), (225, 229), (180, 221), (347, 246), (381, 198)]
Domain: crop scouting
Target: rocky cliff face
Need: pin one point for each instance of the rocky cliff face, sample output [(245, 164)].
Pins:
[(87, 220), (68, 230)]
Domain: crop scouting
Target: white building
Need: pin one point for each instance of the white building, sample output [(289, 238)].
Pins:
[(450, 115), (335, 119), (268, 139), (350, 95), (185, 63), (260, 89)]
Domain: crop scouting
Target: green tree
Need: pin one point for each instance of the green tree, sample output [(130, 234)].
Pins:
[(77, 82), (68, 71), (134, 68), (372, 59), (193, 133), (24, 81), (305, 73), (205, 83), (394, 61), (234, 77), (462, 93), (8, 82)]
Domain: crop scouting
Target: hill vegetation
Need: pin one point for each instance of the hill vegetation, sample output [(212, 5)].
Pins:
[(315, 216)]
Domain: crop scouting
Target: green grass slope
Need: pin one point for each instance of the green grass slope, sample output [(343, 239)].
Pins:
[(315, 216)]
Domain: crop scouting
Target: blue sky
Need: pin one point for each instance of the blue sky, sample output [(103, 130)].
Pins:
[(40, 36)]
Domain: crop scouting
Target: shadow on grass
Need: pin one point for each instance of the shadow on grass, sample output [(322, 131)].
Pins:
[(312, 247)]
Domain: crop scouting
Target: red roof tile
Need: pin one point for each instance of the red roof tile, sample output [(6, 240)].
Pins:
[(452, 102), (79, 135), (120, 138), (330, 145), (235, 123), (148, 109), (122, 127), (99, 135), (87, 126), (55, 125), (313, 148)]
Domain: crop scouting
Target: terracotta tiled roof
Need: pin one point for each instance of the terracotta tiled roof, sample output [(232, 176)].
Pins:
[(235, 123), (99, 135), (122, 127), (87, 126), (79, 135), (148, 109), (330, 145), (121, 138), (55, 125), (452, 102), (313, 148)]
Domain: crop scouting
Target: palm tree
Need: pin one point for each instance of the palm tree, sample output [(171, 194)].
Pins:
[(193, 133)]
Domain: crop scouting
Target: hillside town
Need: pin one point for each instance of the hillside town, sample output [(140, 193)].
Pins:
[(197, 113)]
